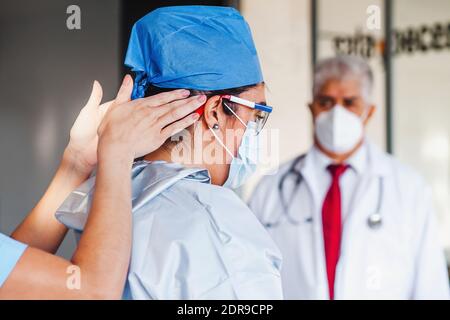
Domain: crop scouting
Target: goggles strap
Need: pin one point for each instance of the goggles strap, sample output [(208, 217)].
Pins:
[(236, 115)]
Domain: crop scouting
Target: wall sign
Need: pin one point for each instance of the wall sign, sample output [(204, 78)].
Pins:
[(411, 40)]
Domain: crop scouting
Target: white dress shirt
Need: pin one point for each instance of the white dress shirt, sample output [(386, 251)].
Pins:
[(347, 182)]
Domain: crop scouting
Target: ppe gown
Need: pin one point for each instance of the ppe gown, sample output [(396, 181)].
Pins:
[(191, 239)]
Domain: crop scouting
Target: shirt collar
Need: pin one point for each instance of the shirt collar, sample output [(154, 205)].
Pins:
[(321, 160), (358, 161)]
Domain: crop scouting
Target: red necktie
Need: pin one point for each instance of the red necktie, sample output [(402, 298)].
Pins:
[(331, 223)]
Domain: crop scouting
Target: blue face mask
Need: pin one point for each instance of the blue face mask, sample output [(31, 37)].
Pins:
[(244, 165)]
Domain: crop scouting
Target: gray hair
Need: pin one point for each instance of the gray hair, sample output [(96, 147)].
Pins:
[(342, 68)]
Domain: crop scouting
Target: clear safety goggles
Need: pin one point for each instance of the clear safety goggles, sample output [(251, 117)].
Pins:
[(262, 113)]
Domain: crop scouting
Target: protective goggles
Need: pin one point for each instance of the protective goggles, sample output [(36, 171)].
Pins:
[(262, 114)]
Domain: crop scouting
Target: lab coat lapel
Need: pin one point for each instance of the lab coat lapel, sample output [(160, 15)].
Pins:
[(377, 167), (307, 170)]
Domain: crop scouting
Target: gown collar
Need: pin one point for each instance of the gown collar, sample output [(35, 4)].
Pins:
[(148, 179)]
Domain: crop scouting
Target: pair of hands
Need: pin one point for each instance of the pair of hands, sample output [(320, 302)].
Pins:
[(112, 134), (125, 129)]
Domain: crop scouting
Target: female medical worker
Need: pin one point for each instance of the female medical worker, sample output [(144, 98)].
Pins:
[(193, 237), (129, 129), (350, 220)]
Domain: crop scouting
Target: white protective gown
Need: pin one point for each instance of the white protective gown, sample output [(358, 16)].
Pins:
[(191, 239)]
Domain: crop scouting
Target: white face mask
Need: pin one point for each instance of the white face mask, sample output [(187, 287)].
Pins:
[(245, 164), (338, 130)]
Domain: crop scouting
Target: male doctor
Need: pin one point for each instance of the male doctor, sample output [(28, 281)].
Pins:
[(350, 220)]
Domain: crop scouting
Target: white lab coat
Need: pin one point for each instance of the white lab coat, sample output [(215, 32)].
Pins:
[(402, 259)]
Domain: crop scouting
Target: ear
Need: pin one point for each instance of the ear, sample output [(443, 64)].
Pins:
[(313, 110), (212, 112), (371, 112)]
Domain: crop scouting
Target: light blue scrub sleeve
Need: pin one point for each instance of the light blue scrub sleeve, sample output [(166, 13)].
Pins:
[(10, 253)]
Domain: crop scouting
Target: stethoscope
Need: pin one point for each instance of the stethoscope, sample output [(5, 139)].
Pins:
[(374, 221)]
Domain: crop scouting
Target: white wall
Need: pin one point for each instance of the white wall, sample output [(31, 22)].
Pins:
[(281, 30), (422, 106), (344, 17)]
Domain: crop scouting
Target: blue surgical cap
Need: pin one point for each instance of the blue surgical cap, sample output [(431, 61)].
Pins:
[(192, 47)]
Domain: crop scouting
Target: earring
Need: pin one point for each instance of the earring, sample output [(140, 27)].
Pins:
[(215, 127)]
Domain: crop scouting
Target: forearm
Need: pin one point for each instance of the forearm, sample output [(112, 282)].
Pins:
[(127, 131), (103, 252), (40, 229)]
